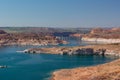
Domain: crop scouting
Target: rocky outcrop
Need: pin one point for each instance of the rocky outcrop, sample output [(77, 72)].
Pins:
[(62, 51), (113, 33), (80, 51), (103, 35), (104, 49)]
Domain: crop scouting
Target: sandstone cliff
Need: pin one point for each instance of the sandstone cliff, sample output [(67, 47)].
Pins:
[(103, 35)]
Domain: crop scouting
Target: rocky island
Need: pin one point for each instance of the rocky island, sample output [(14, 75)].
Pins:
[(102, 49)]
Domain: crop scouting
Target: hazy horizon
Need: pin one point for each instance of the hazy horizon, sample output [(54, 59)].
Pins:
[(56, 27), (60, 13)]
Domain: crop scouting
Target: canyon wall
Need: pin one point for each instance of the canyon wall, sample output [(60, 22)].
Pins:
[(103, 35)]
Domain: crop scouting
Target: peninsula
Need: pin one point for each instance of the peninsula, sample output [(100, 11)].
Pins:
[(102, 49)]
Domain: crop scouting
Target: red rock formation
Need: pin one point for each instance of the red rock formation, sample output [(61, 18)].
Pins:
[(113, 33)]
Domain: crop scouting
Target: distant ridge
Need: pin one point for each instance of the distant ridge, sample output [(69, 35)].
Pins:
[(44, 29)]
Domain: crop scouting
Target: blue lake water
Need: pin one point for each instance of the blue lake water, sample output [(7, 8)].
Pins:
[(23, 66)]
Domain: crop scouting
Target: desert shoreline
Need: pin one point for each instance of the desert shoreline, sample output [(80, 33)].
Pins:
[(90, 72), (59, 74), (63, 74)]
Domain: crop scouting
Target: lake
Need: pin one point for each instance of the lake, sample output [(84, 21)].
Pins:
[(23, 66)]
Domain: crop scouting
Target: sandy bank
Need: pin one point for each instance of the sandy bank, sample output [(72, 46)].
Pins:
[(108, 71)]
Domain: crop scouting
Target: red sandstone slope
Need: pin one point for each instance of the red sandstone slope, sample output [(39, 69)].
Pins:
[(108, 71), (113, 33)]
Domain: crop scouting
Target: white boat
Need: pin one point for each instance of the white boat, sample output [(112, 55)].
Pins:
[(4, 66)]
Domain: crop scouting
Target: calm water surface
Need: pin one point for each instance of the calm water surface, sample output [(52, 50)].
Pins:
[(23, 66)]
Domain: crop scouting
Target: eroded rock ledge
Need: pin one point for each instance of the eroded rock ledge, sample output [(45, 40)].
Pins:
[(103, 49)]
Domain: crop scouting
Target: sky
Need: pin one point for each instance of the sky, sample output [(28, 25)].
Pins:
[(60, 13)]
